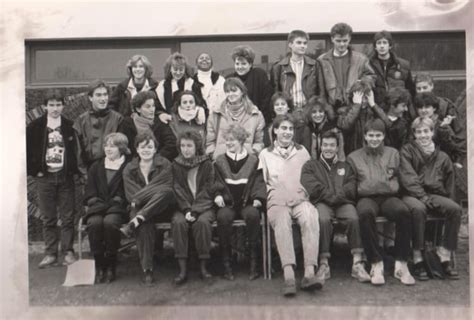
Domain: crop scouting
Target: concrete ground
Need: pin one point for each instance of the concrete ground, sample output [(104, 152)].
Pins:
[(341, 290)]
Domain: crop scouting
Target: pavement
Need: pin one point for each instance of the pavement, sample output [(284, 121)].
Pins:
[(341, 290)]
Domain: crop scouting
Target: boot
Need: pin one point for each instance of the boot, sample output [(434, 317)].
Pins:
[(253, 274), (111, 274), (182, 276), (99, 268), (227, 265), (205, 275)]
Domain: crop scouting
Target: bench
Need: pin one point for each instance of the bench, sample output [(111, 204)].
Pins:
[(166, 226), (379, 220)]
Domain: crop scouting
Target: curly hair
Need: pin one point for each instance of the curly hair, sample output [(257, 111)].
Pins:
[(139, 99), (193, 136), (238, 132)]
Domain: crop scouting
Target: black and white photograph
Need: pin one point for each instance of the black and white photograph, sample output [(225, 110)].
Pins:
[(287, 160)]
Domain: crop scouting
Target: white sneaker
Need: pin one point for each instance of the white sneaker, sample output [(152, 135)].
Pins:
[(358, 272), (403, 274), (376, 274), (324, 272)]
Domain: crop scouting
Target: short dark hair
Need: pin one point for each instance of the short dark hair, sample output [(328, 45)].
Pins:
[(361, 85), (282, 95), (297, 34), (423, 77), (94, 85), (147, 137), (341, 29), (397, 95), (245, 52), (375, 125), (383, 34), (53, 94), (330, 135), (279, 119), (177, 102), (139, 99), (426, 99), (195, 137)]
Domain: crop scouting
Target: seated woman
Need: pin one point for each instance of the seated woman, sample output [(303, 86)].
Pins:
[(178, 77), (237, 108), (193, 182), (148, 184), (143, 120), (255, 79), (187, 115), (240, 193), (139, 79), (287, 199), (107, 205), (427, 178), (318, 122)]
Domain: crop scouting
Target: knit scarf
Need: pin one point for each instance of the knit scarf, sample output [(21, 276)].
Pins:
[(429, 149), (142, 124), (187, 115), (114, 164), (284, 152), (236, 112), (191, 163)]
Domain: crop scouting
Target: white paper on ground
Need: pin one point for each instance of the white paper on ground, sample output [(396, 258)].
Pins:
[(80, 273)]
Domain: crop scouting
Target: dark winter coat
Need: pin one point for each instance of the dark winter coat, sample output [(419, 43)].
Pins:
[(104, 197), (121, 98), (422, 174), (204, 199), (37, 144), (162, 132), (335, 186)]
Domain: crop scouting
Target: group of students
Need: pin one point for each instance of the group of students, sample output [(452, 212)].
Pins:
[(344, 136)]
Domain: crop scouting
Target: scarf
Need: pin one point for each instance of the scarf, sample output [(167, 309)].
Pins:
[(236, 114), (237, 156), (100, 113), (187, 115), (133, 89), (429, 149), (191, 163), (142, 124), (114, 164), (284, 152)]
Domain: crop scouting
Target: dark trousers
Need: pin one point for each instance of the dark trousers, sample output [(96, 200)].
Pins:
[(393, 209), (225, 218), (56, 195), (348, 215), (146, 233), (104, 233), (201, 230), (447, 208)]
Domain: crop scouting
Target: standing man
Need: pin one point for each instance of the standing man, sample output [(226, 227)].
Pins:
[(287, 200), (332, 190), (341, 67), (210, 82), (92, 126), (391, 71), (295, 75), (51, 159)]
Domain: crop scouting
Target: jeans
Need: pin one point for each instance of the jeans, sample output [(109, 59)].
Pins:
[(202, 233), (393, 209), (306, 215), (348, 214), (447, 208), (56, 196)]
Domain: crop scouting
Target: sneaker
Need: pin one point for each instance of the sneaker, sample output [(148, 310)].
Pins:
[(289, 288), (69, 258), (324, 273), (310, 284), (47, 261), (403, 274), (376, 274), (358, 272)]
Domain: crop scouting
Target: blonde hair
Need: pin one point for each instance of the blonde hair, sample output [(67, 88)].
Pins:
[(119, 140)]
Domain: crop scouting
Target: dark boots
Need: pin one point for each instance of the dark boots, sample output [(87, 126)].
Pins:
[(253, 274), (100, 268), (105, 268), (227, 260), (111, 262)]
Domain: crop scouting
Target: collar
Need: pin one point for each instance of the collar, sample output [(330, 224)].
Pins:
[(307, 60), (328, 165), (392, 118), (340, 55), (237, 156), (114, 164), (204, 74)]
